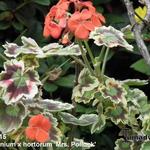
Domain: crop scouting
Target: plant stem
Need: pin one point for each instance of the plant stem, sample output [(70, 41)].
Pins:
[(89, 51), (99, 61), (21, 5), (101, 53), (85, 58), (104, 61)]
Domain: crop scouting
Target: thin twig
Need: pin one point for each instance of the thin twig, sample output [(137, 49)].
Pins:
[(137, 28)]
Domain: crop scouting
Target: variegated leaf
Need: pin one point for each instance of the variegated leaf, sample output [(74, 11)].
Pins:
[(132, 119), (11, 116), (30, 61), (99, 125), (84, 97), (137, 98), (114, 91), (12, 49), (86, 87), (145, 112), (55, 49), (121, 144), (30, 46), (84, 120), (110, 37), (48, 105), (55, 133), (55, 106), (146, 126), (18, 82), (117, 114), (134, 82)]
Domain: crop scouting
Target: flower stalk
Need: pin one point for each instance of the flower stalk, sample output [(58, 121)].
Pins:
[(85, 58), (89, 52), (104, 61)]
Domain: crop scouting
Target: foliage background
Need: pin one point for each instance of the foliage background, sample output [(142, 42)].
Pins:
[(26, 17)]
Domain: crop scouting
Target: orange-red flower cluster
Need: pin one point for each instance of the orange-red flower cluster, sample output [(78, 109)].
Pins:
[(39, 128), (83, 19)]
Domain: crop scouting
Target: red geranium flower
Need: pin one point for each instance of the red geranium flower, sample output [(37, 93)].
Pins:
[(39, 127), (55, 20), (81, 24), (60, 21)]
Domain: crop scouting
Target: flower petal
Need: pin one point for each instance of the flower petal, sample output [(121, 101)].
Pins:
[(31, 132), (62, 22), (85, 14), (96, 21), (41, 136), (81, 32), (88, 25), (46, 124), (35, 120), (76, 16), (101, 17), (55, 30), (72, 25)]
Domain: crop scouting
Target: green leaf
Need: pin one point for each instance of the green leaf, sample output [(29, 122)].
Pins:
[(12, 111), (67, 81), (18, 26), (145, 146), (42, 2), (6, 15), (141, 66), (84, 109), (84, 120), (121, 144), (3, 6), (4, 25), (50, 87)]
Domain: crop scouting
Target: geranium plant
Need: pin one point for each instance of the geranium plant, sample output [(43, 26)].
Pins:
[(26, 115)]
